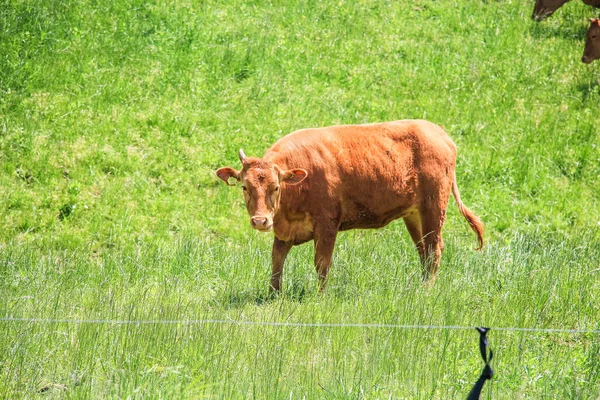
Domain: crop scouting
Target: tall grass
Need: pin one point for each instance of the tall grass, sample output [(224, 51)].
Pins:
[(114, 115), (536, 281)]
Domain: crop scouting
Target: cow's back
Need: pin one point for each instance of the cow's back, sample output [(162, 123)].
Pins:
[(369, 174), (593, 3)]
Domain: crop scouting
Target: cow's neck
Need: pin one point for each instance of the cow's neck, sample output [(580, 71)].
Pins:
[(277, 158), (292, 226)]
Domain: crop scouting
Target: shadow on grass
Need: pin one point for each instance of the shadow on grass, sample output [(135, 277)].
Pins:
[(294, 292), (589, 89), (243, 298), (543, 30)]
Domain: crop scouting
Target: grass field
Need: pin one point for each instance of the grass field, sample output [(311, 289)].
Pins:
[(115, 115)]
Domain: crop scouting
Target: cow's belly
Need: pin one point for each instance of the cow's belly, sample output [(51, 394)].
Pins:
[(359, 216)]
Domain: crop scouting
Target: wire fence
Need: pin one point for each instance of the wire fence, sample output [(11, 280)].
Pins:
[(474, 394), (283, 324)]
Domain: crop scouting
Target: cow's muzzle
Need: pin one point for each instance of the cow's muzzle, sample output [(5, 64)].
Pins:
[(586, 59), (261, 223)]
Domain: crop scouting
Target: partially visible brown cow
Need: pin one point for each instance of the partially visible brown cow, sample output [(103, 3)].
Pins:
[(313, 183), (545, 8), (591, 51)]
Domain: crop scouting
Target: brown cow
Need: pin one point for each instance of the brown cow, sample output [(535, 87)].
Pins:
[(545, 8), (313, 183), (591, 51)]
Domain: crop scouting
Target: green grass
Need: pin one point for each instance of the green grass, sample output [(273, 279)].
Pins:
[(114, 116)]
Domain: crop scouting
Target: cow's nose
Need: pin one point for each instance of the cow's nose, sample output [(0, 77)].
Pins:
[(259, 221)]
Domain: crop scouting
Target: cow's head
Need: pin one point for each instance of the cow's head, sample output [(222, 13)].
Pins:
[(591, 51), (545, 8), (262, 182)]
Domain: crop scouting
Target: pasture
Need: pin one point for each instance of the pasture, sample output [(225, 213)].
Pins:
[(115, 115)]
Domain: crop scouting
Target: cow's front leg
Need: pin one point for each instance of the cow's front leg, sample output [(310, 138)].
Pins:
[(324, 237), (280, 252)]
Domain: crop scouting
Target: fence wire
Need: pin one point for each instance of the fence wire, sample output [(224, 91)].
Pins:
[(282, 324)]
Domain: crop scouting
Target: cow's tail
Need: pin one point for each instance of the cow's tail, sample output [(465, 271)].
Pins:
[(471, 218)]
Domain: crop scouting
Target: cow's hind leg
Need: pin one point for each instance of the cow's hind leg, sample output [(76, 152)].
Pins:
[(432, 221), (413, 225)]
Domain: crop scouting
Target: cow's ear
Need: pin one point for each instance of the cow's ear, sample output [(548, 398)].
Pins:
[(593, 20), (293, 176), (227, 172)]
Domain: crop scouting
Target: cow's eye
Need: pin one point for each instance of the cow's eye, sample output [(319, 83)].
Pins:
[(277, 189), (244, 188), (594, 36)]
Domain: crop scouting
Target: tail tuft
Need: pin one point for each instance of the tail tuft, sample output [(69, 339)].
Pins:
[(471, 218)]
